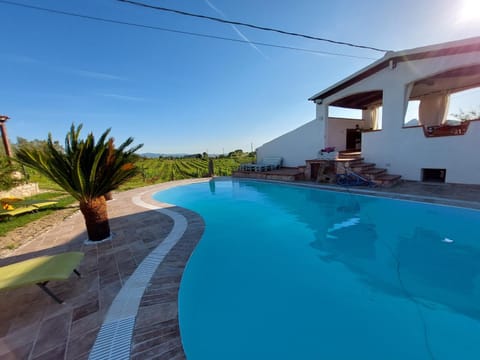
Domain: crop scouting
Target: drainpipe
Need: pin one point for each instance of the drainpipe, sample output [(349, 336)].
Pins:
[(6, 143)]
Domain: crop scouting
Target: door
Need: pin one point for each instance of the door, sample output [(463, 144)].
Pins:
[(354, 139)]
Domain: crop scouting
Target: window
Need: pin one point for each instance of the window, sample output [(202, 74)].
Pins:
[(344, 113), (379, 118), (464, 105), (457, 107), (411, 116)]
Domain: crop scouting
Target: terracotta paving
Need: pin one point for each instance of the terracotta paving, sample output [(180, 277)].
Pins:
[(33, 326), (159, 302)]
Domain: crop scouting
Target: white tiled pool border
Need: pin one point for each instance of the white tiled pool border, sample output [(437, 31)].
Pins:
[(115, 336)]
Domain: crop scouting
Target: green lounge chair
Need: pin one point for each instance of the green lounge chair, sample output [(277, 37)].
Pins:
[(40, 271), (37, 203), (44, 203), (18, 211), (26, 206)]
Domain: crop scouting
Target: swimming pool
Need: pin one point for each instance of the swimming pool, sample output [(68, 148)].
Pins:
[(285, 272)]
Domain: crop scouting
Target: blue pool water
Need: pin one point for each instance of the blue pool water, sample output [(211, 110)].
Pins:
[(285, 272)]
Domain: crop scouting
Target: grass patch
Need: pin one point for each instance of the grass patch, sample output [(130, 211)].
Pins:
[(43, 182)]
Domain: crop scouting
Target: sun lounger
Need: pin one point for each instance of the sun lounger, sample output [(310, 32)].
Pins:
[(40, 271), (18, 211), (26, 206), (43, 203)]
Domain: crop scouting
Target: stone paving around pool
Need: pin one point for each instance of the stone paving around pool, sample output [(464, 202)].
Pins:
[(33, 326)]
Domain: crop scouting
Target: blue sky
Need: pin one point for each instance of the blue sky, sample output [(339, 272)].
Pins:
[(177, 93)]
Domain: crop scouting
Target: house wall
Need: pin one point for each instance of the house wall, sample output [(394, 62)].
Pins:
[(296, 146), (405, 151), (456, 154), (337, 131)]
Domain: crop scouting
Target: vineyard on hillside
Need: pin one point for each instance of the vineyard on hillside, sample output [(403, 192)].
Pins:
[(159, 170), (151, 170)]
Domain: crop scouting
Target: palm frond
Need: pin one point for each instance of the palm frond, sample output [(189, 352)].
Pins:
[(86, 168)]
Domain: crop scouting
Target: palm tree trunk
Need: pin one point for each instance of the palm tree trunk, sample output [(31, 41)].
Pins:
[(109, 196), (96, 218)]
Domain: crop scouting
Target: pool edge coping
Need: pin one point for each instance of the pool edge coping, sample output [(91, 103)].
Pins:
[(115, 337)]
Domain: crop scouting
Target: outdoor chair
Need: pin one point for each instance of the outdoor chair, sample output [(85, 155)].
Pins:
[(268, 163), (246, 167), (9, 210), (40, 271), (17, 211)]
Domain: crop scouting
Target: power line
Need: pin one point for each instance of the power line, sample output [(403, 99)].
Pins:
[(118, 22), (179, 12)]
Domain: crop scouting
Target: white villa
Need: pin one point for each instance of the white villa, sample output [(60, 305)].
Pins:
[(421, 83)]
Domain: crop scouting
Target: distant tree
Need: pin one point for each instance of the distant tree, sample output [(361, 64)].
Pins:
[(40, 144), (204, 155), (236, 153), (191, 156), (87, 170), (7, 181)]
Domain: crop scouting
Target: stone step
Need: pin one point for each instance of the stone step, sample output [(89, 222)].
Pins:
[(353, 160), (373, 173), (387, 180), (349, 154), (350, 161), (362, 167)]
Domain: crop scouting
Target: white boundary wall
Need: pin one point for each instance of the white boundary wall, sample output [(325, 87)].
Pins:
[(296, 146)]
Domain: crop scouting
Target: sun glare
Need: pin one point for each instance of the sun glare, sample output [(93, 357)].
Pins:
[(469, 11)]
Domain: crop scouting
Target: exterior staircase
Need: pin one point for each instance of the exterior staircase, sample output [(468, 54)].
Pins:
[(354, 161)]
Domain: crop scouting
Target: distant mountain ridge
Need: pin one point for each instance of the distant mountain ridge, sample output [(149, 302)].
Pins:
[(156, 155)]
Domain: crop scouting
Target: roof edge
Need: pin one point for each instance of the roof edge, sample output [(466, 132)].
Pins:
[(393, 57)]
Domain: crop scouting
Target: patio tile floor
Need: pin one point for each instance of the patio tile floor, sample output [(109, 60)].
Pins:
[(33, 326)]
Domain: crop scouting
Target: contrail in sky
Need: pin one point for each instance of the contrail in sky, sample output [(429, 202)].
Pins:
[(222, 14)]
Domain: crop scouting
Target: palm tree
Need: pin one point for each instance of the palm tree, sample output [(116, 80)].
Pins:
[(86, 170)]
